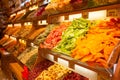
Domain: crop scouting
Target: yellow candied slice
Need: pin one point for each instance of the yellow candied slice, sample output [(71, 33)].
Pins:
[(86, 58)]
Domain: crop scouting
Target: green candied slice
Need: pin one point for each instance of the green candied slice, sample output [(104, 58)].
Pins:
[(78, 28), (79, 23)]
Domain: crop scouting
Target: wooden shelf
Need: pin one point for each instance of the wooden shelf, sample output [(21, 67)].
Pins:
[(49, 17), (106, 7), (75, 65)]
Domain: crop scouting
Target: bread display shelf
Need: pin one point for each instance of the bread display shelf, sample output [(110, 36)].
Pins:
[(90, 72)]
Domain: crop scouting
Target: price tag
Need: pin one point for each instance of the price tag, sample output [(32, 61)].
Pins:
[(74, 16), (27, 23), (44, 22), (94, 15), (85, 15), (50, 57), (112, 13), (17, 24), (63, 62), (10, 25)]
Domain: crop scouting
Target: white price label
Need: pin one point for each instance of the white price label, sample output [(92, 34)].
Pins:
[(44, 22), (27, 23), (17, 24), (50, 57), (74, 16), (10, 25), (63, 62)]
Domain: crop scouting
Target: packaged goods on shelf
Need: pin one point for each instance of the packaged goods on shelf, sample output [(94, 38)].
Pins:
[(12, 30), (79, 4), (10, 46), (58, 6), (54, 72), (43, 35), (19, 48), (17, 17), (31, 61), (16, 32), (40, 12), (25, 51), (36, 33), (25, 31), (9, 30), (7, 41), (24, 57), (78, 28), (41, 66), (30, 32), (20, 32), (6, 30), (11, 18), (26, 14), (3, 40), (31, 15), (55, 36), (105, 2)]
